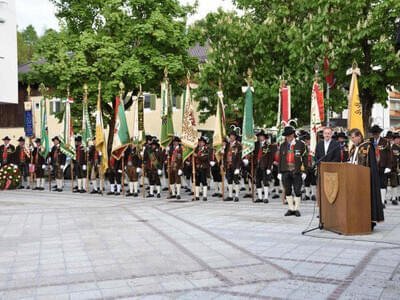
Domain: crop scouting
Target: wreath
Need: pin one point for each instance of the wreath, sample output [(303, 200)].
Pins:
[(10, 177)]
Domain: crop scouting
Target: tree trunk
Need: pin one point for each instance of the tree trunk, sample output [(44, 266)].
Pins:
[(367, 101)]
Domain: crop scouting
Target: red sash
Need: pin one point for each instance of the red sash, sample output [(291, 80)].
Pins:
[(290, 155), (5, 153)]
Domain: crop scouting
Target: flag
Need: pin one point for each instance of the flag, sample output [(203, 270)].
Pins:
[(189, 132), (355, 108), (248, 136), (315, 124), (101, 144), (121, 133), (138, 133), (285, 98), (219, 132), (44, 130), (167, 127), (329, 75), (67, 145), (87, 134)]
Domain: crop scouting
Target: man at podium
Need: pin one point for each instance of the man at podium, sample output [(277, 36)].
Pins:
[(363, 153)]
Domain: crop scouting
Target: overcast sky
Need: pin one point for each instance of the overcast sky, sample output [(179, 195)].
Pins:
[(40, 13)]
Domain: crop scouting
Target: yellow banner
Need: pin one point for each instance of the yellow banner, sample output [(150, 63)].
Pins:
[(355, 108)]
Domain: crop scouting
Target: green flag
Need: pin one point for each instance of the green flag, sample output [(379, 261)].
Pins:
[(87, 134), (44, 130), (248, 136), (167, 127), (189, 131), (67, 145), (121, 134), (219, 131)]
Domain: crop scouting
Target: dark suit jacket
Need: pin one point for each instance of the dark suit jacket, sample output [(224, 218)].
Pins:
[(333, 152)]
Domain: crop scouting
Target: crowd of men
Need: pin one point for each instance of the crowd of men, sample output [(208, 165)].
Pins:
[(289, 167)]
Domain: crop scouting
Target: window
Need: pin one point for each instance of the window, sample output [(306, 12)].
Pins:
[(55, 106), (146, 100), (150, 101)]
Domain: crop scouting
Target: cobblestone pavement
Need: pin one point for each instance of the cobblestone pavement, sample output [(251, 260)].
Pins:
[(80, 246)]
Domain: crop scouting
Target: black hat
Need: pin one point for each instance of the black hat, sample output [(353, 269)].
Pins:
[(389, 135), (302, 133), (375, 129), (6, 138), (55, 138), (149, 138), (262, 133), (21, 139), (154, 141), (176, 139), (342, 135), (204, 139), (396, 135), (78, 138), (289, 130), (38, 140), (305, 137), (233, 133)]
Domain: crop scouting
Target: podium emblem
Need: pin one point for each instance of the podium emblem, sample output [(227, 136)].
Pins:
[(331, 186)]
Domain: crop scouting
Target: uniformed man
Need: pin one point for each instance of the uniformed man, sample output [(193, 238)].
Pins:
[(176, 167), (153, 158), (22, 159), (393, 180), (344, 148), (382, 154), (39, 163), (80, 165), (232, 163), (310, 183), (188, 174), (114, 176), (133, 164), (95, 158), (215, 164), (293, 163), (363, 153), (202, 161), (57, 161), (6, 152), (263, 159)]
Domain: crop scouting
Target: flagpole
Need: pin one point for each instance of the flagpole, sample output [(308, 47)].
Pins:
[(72, 161), (30, 138), (250, 82), (85, 98), (194, 176), (121, 94)]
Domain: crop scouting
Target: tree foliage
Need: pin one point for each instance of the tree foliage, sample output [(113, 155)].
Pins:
[(278, 37), (26, 43)]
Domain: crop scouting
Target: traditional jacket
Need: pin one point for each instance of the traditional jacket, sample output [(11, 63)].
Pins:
[(94, 156), (395, 151), (175, 158), (293, 157), (233, 155), (7, 154), (80, 155), (344, 152), (132, 158), (38, 159), (202, 157), (264, 155), (56, 156), (22, 155), (382, 152), (153, 159)]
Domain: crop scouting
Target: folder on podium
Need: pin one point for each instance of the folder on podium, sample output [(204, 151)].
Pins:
[(345, 198)]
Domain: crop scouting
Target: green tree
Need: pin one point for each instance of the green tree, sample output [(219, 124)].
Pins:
[(278, 35), (112, 41), (26, 43)]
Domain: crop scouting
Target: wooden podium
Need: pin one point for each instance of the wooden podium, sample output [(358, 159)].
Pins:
[(345, 198)]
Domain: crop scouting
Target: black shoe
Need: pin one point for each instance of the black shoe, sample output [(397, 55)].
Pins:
[(94, 192), (215, 195), (36, 188), (266, 201), (280, 191), (135, 194), (59, 190), (197, 198), (313, 198), (385, 201), (247, 196), (150, 195), (242, 189), (204, 198), (147, 188), (236, 199), (258, 201), (28, 187), (219, 195), (373, 224), (158, 195), (297, 213), (275, 196), (110, 193), (228, 199), (117, 193), (165, 189), (394, 202), (187, 189), (191, 193), (21, 187), (41, 188), (289, 213), (178, 197), (306, 198), (171, 197), (128, 194), (76, 191), (82, 191)]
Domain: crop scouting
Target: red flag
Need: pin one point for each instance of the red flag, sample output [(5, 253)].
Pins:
[(329, 76), (286, 104), (320, 99)]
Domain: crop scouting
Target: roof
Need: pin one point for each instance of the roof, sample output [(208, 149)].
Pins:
[(197, 51)]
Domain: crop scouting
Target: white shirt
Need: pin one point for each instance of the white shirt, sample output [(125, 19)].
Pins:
[(353, 159), (326, 146)]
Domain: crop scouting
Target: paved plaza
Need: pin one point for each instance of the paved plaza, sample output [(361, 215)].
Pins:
[(80, 246)]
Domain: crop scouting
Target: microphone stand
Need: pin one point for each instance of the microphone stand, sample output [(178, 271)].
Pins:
[(318, 164)]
